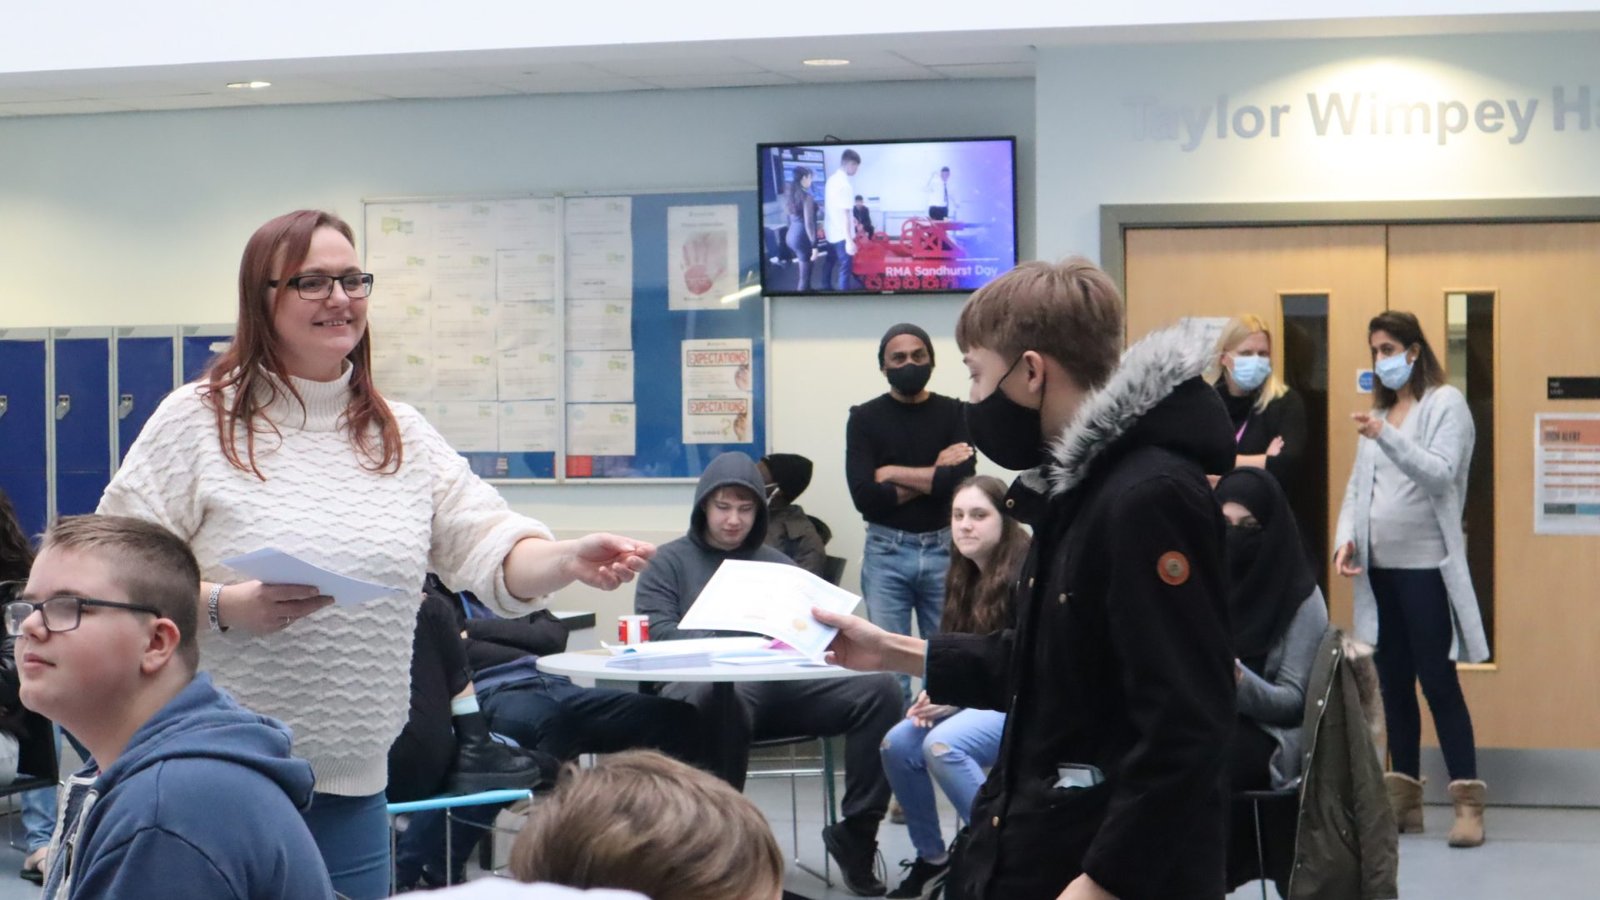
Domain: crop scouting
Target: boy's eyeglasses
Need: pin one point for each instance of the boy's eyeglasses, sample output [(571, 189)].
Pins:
[(59, 613)]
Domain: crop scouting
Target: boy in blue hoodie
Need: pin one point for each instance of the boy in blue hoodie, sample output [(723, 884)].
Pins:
[(187, 793)]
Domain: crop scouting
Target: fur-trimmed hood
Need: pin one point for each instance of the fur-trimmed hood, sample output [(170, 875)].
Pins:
[(1156, 396)]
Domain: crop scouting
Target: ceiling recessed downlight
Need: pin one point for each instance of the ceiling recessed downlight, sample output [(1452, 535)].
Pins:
[(249, 85), (825, 61)]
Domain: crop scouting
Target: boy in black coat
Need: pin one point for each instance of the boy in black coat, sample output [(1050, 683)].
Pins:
[(1118, 678)]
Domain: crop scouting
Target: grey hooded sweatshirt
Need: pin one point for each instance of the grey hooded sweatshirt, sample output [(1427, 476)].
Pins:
[(682, 567)]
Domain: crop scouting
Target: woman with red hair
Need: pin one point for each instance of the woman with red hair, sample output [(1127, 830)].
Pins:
[(285, 442)]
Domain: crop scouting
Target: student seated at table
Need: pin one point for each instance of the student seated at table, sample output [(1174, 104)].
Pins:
[(186, 792), (643, 822), (729, 521)]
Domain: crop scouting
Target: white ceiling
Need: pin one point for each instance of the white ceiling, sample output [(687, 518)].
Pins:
[(664, 66), (487, 74)]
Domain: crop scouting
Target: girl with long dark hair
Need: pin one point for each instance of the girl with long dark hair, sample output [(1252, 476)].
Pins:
[(802, 234), (945, 743)]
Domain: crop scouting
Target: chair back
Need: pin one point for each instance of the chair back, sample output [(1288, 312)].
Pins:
[(833, 569)]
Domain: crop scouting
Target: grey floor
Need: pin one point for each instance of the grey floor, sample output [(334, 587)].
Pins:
[(1532, 854)]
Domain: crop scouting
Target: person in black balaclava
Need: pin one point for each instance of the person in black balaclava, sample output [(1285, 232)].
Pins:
[(1278, 618), (789, 530), (905, 452)]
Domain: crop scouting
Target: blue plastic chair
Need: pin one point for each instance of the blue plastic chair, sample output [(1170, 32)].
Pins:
[(446, 803)]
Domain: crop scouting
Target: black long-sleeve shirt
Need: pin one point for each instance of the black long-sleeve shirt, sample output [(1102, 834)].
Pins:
[(886, 432)]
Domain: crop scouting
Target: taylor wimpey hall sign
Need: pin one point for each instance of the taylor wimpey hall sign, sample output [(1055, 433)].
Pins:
[(1365, 114)]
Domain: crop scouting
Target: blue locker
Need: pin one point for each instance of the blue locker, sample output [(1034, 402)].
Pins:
[(24, 419), (146, 373), (82, 417), (200, 344)]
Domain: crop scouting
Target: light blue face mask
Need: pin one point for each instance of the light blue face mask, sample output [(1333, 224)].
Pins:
[(1250, 372), (1394, 371)]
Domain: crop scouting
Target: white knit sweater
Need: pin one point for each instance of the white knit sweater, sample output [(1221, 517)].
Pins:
[(339, 677)]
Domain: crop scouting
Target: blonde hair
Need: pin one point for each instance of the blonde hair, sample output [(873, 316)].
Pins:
[(643, 822), (1233, 334)]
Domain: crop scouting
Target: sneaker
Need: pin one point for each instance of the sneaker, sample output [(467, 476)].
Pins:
[(922, 879), (857, 855)]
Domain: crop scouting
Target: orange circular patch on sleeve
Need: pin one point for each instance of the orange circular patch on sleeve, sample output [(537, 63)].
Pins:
[(1173, 567)]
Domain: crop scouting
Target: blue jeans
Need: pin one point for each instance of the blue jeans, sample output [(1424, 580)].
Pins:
[(953, 752), (839, 266), (353, 835), (902, 572), (1414, 636)]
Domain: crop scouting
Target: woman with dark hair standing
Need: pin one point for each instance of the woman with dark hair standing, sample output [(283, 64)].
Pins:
[(1399, 537), (948, 744), (285, 442), (802, 234)]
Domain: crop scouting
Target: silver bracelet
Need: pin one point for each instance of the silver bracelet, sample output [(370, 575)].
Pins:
[(211, 608)]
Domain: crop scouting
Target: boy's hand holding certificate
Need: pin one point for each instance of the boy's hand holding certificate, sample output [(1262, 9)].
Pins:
[(774, 599)]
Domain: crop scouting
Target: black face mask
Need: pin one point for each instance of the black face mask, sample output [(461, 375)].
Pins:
[(909, 380), (1005, 430), (1243, 549)]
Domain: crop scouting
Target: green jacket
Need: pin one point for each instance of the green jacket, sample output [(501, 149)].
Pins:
[(1347, 844)]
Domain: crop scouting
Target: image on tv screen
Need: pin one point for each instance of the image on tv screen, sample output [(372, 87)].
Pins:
[(932, 216)]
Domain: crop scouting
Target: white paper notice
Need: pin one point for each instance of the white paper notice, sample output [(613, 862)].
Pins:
[(599, 324), (463, 369), (398, 230), (599, 266), (277, 567), (717, 391), (774, 599), (531, 224), (702, 256), (1566, 473), (405, 373), (525, 275), (717, 366), (528, 427), (601, 429), (468, 427), (613, 215), (604, 376)]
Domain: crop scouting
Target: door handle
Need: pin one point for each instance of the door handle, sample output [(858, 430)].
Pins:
[(124, 406), (63, 406), (5, 403)]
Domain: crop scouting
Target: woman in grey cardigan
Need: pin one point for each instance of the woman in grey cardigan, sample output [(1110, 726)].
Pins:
[(1399, 537), (1278, 619)]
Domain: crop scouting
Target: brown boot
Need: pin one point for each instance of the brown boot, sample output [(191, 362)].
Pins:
[(1405, 798), (1468, 829)]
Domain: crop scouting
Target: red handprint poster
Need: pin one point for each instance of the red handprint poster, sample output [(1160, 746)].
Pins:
[(702, 255)]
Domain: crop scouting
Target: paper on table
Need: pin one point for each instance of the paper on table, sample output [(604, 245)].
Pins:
[(774, 599), (276, 567)]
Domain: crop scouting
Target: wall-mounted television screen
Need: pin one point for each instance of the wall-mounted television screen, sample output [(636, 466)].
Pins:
[(871, 217)]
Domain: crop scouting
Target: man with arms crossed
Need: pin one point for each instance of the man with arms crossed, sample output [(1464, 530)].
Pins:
[(904, 453)]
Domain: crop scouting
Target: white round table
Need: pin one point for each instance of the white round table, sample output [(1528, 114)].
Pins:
[(592, 664)]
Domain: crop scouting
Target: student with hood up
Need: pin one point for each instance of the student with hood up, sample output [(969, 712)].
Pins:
[(729, 521)]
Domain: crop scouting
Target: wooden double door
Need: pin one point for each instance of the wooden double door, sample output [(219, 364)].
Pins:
[(1505, 307)]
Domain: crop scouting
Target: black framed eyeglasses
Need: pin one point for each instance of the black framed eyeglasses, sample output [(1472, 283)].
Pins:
[(59, 613), (320, 287)]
